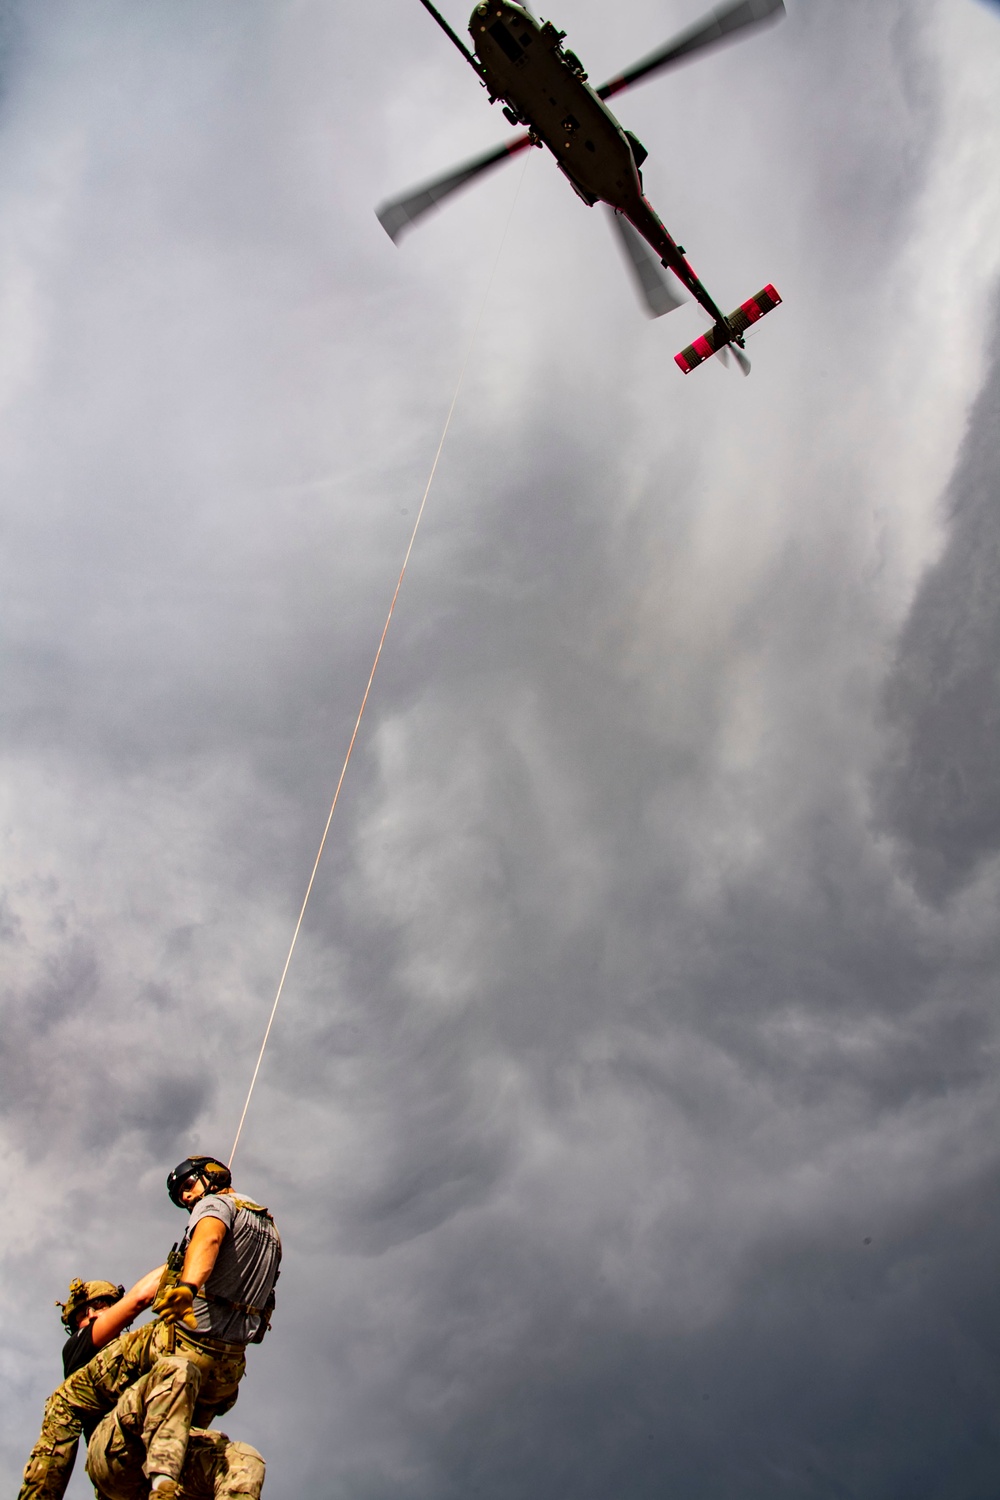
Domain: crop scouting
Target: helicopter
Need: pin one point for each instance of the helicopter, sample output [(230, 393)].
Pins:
[(543, 86)]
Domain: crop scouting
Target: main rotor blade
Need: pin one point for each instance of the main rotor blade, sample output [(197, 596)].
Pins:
[(650, 278), (395, 216), (439, 18), (720, 26)]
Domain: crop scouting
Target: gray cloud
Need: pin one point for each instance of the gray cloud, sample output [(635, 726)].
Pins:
[(631, 1114), (940, 791)]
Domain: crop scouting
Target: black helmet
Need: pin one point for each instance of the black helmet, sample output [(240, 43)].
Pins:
[(213, 1173)]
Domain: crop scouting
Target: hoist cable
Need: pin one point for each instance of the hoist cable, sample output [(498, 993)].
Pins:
[(378, 654)]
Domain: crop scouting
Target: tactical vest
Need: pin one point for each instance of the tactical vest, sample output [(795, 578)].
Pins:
[(247, 1309)]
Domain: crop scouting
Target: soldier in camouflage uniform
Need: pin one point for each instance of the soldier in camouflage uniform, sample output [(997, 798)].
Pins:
[(90, 1392), (221, 1302), (149, 1431), (224, 1297), (94, 1314)]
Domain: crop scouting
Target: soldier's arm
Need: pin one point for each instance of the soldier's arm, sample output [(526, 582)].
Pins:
[(202, 1251), (111, 1320)]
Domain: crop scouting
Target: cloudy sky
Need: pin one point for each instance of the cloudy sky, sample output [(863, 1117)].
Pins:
[(632, 1112)]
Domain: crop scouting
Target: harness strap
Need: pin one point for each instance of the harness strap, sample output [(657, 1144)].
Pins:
[(252, 1208), (227, 1302)]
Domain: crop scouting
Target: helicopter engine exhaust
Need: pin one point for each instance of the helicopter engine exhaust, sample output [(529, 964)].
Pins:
[(731, 331)]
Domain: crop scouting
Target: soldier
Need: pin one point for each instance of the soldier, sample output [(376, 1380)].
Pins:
[(222, 1301), (231, 1257), (95, 1313), (148, 1417)]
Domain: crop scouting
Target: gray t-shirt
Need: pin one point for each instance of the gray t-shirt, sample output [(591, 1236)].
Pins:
[(245, 1271)]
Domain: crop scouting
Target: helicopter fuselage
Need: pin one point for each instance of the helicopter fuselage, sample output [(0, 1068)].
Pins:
[(543, 86), (546, 89)]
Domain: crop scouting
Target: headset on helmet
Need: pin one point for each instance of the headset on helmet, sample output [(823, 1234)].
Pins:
[(212, 1172), (83, 1293)]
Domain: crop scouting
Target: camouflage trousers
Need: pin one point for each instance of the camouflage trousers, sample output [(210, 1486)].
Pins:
[(149, 1433), (93, 1391)]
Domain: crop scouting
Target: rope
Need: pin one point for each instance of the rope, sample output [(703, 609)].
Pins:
[(378, 654)]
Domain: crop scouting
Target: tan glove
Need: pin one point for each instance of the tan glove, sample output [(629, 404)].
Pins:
[(175, 1305)]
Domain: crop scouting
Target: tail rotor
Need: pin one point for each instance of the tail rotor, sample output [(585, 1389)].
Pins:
[(727, 336), (735, 358)]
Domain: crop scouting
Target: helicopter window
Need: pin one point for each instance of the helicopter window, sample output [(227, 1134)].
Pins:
[(506, 41), (525, 39)]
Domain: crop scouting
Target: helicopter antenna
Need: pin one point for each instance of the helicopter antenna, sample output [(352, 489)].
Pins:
[(439, 18)]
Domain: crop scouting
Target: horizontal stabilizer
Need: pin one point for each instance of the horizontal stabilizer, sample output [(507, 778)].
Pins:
[(722, 334)]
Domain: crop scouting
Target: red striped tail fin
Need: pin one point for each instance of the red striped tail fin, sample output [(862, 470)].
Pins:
[(718, 337)]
